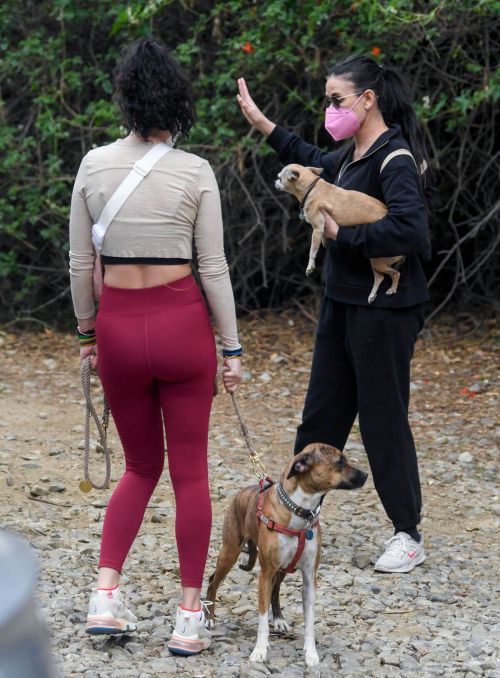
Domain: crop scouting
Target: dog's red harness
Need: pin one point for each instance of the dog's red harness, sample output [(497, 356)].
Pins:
[(273, 525)]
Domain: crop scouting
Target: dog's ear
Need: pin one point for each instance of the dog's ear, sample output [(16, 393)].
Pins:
[(316, 170), (301, 465), (292, 174)]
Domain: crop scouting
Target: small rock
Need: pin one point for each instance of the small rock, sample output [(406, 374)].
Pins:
[(37, 491), (465, 458), (241, 609), (265, 377), (57, 487), (49, 363), (55, 451), (389, 659), (361, 560), (156, 518), (479, 386)]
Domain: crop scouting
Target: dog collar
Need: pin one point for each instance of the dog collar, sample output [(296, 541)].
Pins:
[(302, 204), (307, 514)]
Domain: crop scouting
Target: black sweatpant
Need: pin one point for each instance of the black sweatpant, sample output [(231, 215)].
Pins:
[(361, 365)]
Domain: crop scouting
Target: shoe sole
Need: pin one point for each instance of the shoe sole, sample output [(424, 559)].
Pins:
[(186, 646), (405, 568), (106, 625)]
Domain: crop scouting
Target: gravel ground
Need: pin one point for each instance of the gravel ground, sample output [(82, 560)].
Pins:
[(442, 619)]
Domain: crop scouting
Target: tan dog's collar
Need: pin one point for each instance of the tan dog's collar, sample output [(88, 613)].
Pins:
[(302, 204)]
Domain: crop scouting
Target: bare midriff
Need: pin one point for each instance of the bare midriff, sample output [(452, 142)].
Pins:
[(138, 276)]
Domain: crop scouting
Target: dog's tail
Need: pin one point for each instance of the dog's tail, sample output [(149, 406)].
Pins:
[(251, 549)]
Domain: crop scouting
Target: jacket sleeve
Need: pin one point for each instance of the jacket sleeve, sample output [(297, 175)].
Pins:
[(292, 149), (405, 228)]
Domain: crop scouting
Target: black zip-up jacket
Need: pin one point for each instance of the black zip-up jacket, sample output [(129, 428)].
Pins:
[(348, 274)]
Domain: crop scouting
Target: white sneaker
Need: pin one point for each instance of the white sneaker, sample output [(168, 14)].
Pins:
[(402, 554), (108, 613), (190, 635)]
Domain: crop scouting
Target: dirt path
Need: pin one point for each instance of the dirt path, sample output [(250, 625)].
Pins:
[(454, 414)]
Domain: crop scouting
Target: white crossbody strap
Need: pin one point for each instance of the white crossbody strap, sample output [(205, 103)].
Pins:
[(139, 171)]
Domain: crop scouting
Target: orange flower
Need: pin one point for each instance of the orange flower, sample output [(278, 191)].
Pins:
[(376, 51), (248, 48)]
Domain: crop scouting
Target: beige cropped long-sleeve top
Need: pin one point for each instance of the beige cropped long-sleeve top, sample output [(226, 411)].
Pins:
[(178, 202)]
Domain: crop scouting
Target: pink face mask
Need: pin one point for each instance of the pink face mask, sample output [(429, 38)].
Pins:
[(341, 123)]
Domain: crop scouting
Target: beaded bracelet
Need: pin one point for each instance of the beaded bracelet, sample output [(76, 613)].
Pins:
[(87, 338)]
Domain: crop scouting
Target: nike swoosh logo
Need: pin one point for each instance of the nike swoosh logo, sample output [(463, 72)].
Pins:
[(412, 555)]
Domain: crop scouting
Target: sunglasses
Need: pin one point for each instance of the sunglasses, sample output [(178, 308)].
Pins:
[(335, 100)]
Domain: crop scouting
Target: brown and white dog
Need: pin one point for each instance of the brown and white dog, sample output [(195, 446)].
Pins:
[(253, 520), (347, 208)]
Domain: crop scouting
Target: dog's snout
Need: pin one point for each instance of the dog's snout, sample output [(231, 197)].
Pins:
[(359, 478), (354, 479)]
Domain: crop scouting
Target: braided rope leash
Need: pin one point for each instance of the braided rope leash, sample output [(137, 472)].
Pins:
[(254, 457), (102, 426)]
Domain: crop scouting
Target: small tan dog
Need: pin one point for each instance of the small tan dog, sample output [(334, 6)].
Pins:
[(280, 522), (347, 208)]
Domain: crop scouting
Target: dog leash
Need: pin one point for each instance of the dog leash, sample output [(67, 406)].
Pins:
[(102, 426), (254, 457)]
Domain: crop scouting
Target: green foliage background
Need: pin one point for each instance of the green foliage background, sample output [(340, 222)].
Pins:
[(56, 79)]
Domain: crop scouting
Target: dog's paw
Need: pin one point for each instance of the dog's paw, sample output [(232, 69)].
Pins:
[(391, 291), (311, 657), (372, 297), (281, 626), (259, 654), (310, 269), (210, 624)]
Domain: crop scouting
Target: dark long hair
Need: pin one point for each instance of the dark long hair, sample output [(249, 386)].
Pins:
[(393, 100), (152, 90)]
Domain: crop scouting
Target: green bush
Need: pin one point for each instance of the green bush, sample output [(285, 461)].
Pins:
[(56, 103)]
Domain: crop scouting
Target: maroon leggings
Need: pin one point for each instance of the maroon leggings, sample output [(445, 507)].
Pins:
[(157, 363)]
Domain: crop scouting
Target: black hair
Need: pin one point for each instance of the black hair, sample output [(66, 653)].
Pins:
[(152, 90), (393, 100)]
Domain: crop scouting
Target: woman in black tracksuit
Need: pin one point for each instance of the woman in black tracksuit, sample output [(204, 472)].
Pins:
[(362, 354)]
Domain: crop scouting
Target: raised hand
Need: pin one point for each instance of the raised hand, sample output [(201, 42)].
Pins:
[(251, 111)]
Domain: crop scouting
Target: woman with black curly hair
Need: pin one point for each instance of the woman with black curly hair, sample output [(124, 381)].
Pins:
[(157, 358)]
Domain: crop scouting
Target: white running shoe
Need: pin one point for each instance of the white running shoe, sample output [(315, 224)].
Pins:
[(108, 613), (402, 554), (190, 635)]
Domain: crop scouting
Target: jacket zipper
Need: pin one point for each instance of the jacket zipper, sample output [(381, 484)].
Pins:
[(343, 169)]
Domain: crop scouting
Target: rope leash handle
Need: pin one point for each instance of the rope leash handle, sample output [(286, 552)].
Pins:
[(102, 426), (254, 457)]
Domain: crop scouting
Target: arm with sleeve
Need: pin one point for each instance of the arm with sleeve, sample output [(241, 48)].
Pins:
[(82, 253), (292, 149), (212, 264), (404, 230)]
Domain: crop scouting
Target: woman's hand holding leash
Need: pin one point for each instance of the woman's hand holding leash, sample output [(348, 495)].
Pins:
[(232, 374), (92, 352)]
